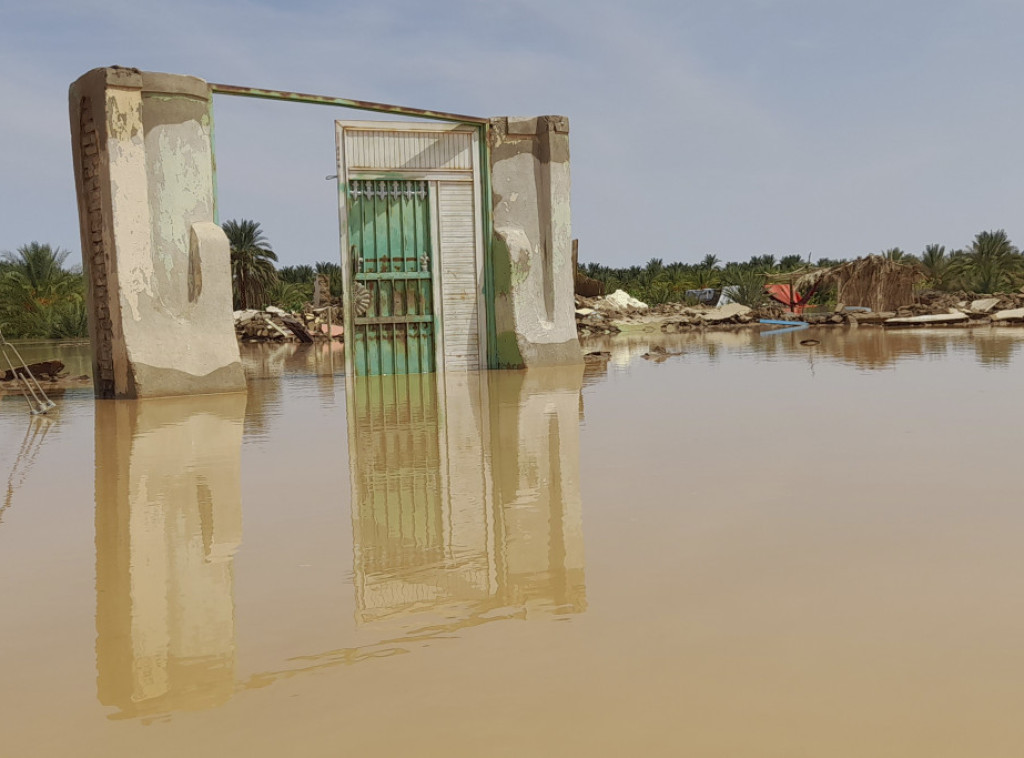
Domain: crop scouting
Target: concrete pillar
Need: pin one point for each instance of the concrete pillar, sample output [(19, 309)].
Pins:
[(532, 252), (157, 268)]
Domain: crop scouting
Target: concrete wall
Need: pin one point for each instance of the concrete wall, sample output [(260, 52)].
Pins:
[(533, 274), (157, 267)]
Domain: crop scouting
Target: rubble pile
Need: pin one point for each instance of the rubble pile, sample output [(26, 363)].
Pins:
[(701, 316), (614, 313), (50, 374), (610, 314), (273, 324), (595, 315)]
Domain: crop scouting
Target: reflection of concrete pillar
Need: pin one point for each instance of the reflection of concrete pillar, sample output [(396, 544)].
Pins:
[(157, 267), (168, 521), (535, 426), (533, 273)]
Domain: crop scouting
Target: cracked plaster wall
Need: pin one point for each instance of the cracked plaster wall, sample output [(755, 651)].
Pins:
[(157, 267)]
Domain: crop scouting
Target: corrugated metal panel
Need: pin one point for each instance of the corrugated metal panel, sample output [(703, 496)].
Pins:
[(459, 286), (396, 149)]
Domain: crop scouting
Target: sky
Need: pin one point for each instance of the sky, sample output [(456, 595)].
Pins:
[(828, 128)]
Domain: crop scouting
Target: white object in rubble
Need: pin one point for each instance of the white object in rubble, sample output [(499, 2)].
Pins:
[(624, 301), (244, 317)]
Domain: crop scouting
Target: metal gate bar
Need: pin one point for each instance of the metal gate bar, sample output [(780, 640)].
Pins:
[(389, 234)]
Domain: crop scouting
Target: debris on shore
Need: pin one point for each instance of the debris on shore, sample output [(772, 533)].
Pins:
[(273, 324), (51, 374), (620, 312)]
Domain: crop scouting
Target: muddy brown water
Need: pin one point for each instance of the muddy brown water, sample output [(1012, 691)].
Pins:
[(753, 548)]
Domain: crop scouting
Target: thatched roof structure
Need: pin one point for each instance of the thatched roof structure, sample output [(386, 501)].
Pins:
[(875, 282)]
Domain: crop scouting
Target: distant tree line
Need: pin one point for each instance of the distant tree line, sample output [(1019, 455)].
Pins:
[(989, 265), (43, 297)]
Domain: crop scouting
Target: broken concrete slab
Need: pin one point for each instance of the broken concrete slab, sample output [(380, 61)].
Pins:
[(726, 312), (984, 305), (1013, 314), (933, 318)]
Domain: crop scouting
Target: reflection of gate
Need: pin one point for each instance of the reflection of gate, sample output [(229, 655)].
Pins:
[(420, 525), (465, 495), (412, 247)]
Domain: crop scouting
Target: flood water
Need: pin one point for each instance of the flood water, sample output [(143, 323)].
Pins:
[(753, 548)]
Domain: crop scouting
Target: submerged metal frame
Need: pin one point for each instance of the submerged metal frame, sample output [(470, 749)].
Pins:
[(481, 124)]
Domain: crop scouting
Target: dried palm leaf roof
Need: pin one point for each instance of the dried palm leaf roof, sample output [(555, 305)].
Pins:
[(796, 275), (874, 281)]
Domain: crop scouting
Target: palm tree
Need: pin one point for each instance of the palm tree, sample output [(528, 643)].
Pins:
[(252, 263), (940, 268), (894, 254), (39, 297), (992, 262), (655, 267), (791, 262), (704, 277), (747, 286), (765, 262), (41, 265), (289, 295), (710, 261), (302, 274)]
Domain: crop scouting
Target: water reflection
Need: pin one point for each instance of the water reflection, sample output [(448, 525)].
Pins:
[(270, 359), (466, 494), (320, 362), (35, 434), (168, 522), (466, 510), (867, 348)]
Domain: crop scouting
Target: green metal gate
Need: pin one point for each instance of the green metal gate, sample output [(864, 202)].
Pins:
[(394, 321)]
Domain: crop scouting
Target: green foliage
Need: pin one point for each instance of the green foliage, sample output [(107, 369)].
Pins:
[(295, 284), (791, 263), (252, 263), (991, 264), (296, 274), (942, 270), (39, 296), (747, 287), (291, 296)]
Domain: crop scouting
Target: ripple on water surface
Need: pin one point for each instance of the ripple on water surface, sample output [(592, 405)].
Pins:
[(734, 544)]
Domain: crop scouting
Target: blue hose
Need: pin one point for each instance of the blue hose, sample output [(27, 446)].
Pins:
[(798, 328)]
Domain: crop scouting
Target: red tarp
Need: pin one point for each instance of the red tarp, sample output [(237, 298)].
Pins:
[(782, 293)]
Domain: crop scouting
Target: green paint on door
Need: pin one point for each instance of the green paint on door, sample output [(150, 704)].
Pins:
[(390, 254)]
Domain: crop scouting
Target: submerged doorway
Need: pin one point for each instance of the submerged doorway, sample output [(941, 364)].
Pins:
[(412, 247)]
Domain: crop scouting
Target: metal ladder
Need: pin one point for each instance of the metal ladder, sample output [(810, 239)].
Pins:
[(38, 402)]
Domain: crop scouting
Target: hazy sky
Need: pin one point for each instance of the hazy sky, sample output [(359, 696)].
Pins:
[(742, 127)]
